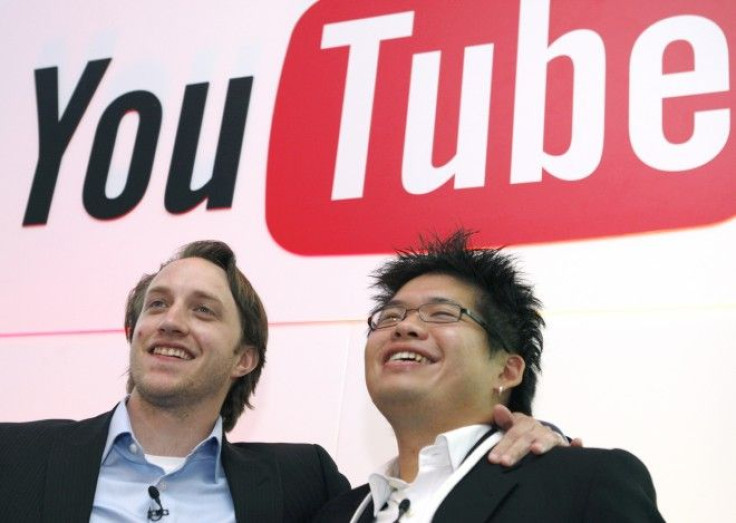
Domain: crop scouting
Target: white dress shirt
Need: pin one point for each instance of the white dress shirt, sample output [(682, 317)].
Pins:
[(440, 468)]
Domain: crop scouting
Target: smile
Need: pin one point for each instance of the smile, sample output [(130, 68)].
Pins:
[(171, 352), (408, 356)]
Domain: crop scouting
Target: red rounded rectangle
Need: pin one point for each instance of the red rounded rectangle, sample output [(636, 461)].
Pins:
[(380, 107)]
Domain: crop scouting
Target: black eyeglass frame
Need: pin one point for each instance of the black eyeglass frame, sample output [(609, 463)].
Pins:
[(462, 311)]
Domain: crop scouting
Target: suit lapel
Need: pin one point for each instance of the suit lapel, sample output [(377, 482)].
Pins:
[(478, 495), (254, 484), (351, 503), (73, 468), (475, 497), (367, 515)]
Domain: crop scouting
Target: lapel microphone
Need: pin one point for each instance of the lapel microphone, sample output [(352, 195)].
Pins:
[(158, 513), (403, 508)]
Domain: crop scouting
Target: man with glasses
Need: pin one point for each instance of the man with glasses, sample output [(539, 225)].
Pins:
[(455, 334)]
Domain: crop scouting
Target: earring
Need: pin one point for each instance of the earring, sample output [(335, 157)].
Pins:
[(499, 389)]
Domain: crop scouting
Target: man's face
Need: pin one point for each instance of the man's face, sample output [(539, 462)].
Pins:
[(185, 348), (446, 367)]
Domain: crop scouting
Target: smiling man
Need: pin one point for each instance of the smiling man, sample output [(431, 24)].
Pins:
[(455, 334), (197, 332)]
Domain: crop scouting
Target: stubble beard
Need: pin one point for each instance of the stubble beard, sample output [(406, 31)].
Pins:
[(183, 393)]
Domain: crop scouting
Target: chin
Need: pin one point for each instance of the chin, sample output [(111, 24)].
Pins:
[(403, 396), (162, 394)]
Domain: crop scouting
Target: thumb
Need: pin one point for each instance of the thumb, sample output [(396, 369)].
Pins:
[(502, 417)]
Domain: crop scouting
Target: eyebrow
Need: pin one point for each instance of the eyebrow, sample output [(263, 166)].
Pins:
[(435, 299), (201, 295)]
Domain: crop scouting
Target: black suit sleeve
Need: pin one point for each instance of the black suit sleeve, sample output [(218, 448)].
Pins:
[(24, 451), (309, 480), (280, 482), (335, 483), (621, 489), (342, 508), (49, 468)]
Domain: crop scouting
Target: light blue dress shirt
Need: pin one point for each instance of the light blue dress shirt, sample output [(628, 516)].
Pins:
[(196, 491)]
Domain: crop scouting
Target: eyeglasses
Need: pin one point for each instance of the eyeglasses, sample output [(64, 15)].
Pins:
[(433, 312)]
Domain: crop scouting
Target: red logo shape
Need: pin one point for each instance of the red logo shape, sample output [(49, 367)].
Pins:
[(530, 121)]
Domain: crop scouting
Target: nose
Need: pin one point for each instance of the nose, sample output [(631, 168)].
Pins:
[(411, 326), (173, 321)]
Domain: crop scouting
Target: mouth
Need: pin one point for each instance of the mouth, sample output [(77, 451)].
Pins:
[(408, 356), (171, 352)]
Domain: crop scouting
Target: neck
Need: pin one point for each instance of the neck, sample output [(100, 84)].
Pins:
[(416, 430), (168, 431), (409, 445)]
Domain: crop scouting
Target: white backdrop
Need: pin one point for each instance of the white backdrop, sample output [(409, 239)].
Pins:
[(641, 327)]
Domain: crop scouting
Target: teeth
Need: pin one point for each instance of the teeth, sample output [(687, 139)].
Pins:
[(171, 351), (408, 356)]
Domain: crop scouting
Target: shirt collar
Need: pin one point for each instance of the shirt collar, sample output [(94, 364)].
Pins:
[(460, 441), (120, 427), (455, 444)]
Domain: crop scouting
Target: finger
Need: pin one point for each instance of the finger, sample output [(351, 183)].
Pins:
[(502, 417), (577, 442), (547, 440), (513, 452), (526, 435), (537, 439), (519, 436)]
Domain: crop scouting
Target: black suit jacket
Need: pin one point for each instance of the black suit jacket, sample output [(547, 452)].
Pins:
[(49, 469), (566, 485)]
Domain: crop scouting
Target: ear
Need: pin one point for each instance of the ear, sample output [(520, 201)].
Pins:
[(247, 361), (513, 371)]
